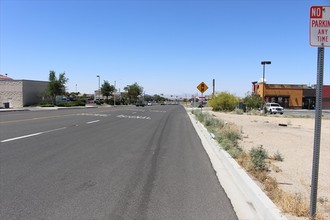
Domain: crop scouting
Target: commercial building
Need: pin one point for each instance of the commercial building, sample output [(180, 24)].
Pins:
[(292, 95), (20, 93)]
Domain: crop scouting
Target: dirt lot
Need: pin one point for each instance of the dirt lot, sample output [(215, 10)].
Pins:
[(295, 142)]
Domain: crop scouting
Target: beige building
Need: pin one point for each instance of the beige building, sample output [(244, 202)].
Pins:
[(20, 93)]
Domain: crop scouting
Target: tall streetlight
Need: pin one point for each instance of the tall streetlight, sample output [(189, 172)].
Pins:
[(114, 95), (99, 88), (263, 78)]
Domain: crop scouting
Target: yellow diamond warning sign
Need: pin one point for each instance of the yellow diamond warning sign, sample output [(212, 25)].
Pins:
[(202, 87)]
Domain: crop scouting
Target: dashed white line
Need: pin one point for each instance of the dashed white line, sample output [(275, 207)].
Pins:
[(90, 122), (133, 117), (31, 135), (25, 136)]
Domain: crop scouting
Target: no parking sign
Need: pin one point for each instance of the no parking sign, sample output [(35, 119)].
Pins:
[(319, 26)]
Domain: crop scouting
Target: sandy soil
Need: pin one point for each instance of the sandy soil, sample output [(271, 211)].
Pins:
[(295, 142)]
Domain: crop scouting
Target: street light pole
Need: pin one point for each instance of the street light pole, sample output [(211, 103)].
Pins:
[(263, 78), (114, 95), (99, 88)]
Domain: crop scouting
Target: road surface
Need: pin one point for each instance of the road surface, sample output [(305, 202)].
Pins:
[(106, 163)]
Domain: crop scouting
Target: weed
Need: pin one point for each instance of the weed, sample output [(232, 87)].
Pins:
[(258, 156), (235, 152), (323, 200), (278, 156), (254, 112), (239, 111), (212, 123)]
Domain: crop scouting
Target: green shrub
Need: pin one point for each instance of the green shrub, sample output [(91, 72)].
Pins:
[(223, 101), (232, 135), (211, 122), (235, 152), (253, 101), (226, 136), (71, 103), (225, 143), (258, 156), (64, 104), (199, 115), (79, 103), (46, 104)]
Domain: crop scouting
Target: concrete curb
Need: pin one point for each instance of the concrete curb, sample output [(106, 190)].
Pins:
[(248, 200)]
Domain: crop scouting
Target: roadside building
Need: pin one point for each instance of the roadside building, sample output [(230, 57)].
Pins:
[(20, 93), (326, 97), (295, 96), (98, 95)]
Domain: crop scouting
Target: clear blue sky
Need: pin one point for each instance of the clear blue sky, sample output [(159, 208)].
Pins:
[(166, 46)]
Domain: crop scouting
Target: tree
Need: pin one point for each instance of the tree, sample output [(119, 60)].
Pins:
[(56, 86), (224, 101), (253, 101), (159, 98), (133, 91), (107, 89)]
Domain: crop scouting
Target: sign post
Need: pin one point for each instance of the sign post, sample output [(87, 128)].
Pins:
[(319, 36), (202, 87)]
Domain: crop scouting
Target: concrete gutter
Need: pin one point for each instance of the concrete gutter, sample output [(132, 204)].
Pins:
[(248, 200)]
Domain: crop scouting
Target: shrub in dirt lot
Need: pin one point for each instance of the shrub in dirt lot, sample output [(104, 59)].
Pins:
[(253, 101), (208, 120), (278, 156), (258, 156), (199, 115), (223, 101), (212, 122), (235, 152), (226, 134)]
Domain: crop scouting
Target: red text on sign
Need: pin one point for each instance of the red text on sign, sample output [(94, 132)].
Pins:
[(323, 39), (322, 32), (316, 12), (320, 23)]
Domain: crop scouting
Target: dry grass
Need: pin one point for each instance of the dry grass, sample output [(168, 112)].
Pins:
[(289, 203)]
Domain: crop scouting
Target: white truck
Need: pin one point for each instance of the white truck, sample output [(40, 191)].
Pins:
[(273, 108)]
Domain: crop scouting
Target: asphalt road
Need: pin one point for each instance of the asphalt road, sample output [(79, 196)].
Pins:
[(106, 163)]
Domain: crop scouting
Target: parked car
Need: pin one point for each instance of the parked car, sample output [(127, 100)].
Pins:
[(273, 108)]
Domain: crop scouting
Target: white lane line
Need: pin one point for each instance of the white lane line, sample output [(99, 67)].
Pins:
[(25, 136), (31, 135), (90, 122)]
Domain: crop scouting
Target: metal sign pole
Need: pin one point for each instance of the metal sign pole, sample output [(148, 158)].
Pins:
[(317, 131), (202, 102)]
